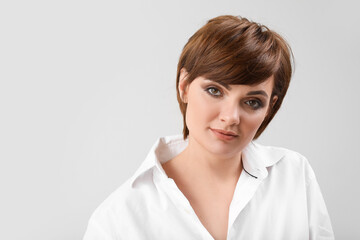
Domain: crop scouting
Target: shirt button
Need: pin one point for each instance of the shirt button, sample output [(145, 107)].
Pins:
[(188, 211)]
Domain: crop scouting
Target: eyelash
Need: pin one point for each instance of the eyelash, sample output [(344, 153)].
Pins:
[(216, 89), (257, 102)]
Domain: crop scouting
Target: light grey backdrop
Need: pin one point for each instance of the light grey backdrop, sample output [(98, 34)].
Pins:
[(87, 87)]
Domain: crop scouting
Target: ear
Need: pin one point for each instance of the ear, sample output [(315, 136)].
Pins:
[(271, 104), (183, 85), (273, 101)]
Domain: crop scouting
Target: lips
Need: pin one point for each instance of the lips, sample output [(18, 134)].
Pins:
[(228, 133)]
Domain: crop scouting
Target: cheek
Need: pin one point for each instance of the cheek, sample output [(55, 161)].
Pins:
[(199, 112), (251, 122)]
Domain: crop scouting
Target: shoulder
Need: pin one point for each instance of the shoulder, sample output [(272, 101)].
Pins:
[(122, 212), (130, 199)]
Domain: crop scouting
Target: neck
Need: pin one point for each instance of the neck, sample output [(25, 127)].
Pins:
[(213, 166)]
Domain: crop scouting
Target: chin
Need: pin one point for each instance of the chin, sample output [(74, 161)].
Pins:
[(223, 148)]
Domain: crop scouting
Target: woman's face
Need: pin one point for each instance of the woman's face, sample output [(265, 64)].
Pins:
[(212, 107)]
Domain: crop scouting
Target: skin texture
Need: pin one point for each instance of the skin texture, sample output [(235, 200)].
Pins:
[(208, 169)]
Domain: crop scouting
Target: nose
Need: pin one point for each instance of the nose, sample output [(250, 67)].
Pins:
[(230, 114)]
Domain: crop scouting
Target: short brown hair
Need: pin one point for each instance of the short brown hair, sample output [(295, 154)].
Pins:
[(234, 50)]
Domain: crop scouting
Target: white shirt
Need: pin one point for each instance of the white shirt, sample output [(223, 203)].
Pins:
[(276, 197)]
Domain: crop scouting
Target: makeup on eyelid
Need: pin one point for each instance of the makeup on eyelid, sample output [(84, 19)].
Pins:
[(219, 93)]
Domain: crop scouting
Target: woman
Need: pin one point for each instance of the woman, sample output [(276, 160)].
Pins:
[(214, 182)]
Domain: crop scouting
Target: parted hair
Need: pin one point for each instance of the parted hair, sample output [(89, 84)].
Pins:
[(234, 50)]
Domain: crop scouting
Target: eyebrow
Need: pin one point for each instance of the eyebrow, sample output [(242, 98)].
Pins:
[(224, 85), (259, 92)]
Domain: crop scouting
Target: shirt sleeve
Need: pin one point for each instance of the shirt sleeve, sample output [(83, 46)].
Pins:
[(319, 221), (95, 231), (101, 225)]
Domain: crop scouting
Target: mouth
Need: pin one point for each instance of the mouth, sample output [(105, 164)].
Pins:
[(228, 133), (224, 135)]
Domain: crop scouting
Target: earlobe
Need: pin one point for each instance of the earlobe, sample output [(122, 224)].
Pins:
[(183, 84)]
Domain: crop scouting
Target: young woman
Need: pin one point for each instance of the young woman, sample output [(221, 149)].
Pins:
[(214, 181)]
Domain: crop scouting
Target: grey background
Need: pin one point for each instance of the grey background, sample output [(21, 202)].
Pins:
[(86, 87)]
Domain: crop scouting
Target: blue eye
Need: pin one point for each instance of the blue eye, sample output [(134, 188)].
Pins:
[(254, 104), (214, 91)]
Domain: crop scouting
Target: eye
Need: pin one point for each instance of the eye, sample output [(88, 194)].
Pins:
[(254, 104), (213, 91)]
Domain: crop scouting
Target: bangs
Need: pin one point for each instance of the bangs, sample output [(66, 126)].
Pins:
[(236, 54)]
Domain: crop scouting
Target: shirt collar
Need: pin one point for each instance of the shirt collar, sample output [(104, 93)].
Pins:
[(164, 149), (256, 158)]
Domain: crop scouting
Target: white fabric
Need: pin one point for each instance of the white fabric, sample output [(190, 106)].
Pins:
[(277, 197)]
